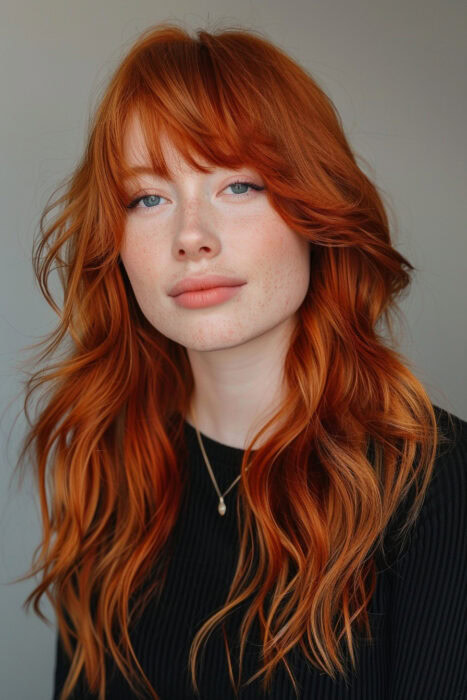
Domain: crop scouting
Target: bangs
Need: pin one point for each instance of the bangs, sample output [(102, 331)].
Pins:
[(210, 107)]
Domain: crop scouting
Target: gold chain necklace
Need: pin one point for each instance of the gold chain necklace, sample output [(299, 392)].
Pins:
[(221, 507)]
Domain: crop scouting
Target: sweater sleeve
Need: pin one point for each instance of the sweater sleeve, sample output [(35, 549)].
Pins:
[(427, 648)]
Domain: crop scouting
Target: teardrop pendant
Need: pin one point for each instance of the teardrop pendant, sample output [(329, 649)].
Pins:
[(221, 507)]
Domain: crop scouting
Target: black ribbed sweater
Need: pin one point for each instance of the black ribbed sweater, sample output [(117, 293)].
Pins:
[(417, 613)]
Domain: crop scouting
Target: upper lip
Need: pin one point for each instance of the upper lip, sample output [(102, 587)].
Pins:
[(190, 284)]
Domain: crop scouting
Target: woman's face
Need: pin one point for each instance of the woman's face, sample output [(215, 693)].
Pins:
[(198, 225)]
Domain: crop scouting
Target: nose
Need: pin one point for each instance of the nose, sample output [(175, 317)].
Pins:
[(195, 229)]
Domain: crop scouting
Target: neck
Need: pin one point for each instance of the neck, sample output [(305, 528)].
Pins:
[(238, 389)]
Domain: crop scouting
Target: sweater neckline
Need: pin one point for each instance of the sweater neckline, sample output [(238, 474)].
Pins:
[(218, 452)]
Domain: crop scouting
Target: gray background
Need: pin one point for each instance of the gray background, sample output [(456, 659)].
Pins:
[(394, 70)]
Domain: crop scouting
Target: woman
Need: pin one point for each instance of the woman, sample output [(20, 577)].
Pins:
[(250, 491)]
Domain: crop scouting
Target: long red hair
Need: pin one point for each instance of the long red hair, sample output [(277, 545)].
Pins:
[(108, 442)]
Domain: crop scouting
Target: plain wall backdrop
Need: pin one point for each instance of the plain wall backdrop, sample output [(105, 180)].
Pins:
[(395, 70)]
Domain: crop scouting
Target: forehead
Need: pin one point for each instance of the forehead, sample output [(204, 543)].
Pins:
[(136, 153)]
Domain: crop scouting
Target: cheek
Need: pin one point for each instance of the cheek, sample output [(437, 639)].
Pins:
[(286, 259), (139, 261)]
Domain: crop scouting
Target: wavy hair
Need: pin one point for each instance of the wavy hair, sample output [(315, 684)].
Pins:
[(108, 441)]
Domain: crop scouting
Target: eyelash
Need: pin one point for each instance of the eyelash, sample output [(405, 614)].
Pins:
[(135, 202)]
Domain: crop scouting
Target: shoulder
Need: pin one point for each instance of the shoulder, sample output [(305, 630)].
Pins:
[(452, 426), (447, 488), (443, 513)]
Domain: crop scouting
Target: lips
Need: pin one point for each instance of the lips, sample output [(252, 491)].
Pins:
[(192, 284)]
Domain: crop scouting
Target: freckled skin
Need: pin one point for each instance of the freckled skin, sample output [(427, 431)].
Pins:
[(236, 348)]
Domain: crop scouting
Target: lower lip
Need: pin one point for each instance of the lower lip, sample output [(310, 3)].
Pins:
[(206, 297)]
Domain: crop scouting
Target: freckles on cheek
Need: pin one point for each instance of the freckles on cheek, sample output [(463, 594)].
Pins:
[(279, 254), (138, 263)]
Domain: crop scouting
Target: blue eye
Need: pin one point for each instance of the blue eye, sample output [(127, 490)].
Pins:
[(150, 201), (245, 184)]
